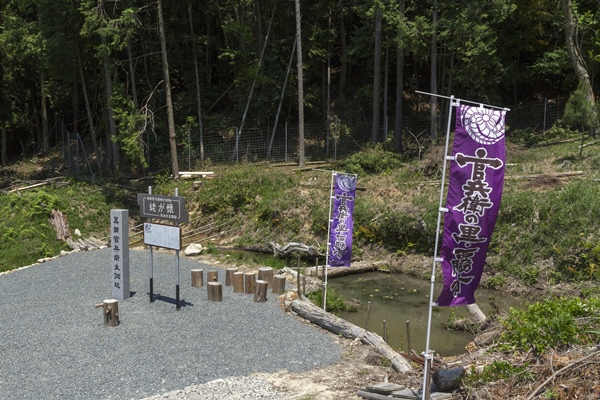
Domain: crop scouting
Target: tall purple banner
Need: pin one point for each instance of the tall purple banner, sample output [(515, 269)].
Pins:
[(340, 236), (474, 194)]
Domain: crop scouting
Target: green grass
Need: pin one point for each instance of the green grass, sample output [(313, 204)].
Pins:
[(28, 236)]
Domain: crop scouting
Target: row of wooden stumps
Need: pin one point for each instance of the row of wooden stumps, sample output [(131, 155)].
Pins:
[(256, 283)]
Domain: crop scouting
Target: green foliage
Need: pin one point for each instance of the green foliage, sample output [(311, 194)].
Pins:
[(131, 124), (28, 235), (552, 324), (500, 371), (372, 160), (553, 224), (335, 301), (245, 188), (529, 138), (581, 263), (579, 113)]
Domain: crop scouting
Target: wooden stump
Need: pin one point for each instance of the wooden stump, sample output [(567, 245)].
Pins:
[(215, 291), (279, 284), (249, 279), (238, 282), (212, 276), (266, 274), (229, 275), (197, 278), (110, 311), (260, 291)]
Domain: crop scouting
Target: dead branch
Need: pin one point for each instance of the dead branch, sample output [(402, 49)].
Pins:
[(560, 371)]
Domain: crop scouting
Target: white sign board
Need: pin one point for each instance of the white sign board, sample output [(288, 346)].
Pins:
[(162, 236), (119, 237)]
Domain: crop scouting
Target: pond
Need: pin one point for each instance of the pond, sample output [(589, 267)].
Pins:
[(397, 298)]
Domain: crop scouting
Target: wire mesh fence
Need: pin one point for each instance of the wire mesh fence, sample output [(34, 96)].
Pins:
[(252, 145)]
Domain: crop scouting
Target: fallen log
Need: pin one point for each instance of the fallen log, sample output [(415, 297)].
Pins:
[(339, 326), (551, 175), (356, 268), (43, 183), (294, 247)]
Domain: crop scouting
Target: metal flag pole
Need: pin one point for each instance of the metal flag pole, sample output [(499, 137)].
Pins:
[(150, 267), (328, 244), (463, 101), (177, 306), (428, 357)]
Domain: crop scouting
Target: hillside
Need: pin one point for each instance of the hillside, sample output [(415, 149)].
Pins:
[(546, 239)]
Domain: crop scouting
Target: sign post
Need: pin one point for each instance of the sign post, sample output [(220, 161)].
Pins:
[(119, 220), (171, 208)]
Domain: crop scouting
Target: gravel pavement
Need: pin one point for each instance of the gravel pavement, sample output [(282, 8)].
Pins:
[(54, 345)]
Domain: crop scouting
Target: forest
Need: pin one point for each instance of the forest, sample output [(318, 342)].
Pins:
[(130, 77)]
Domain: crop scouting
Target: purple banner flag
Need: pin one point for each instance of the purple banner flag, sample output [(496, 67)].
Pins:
[(474, 193), (340, 236)]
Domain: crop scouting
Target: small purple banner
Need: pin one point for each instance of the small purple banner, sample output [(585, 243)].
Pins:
[(340, 239), (474, 193)]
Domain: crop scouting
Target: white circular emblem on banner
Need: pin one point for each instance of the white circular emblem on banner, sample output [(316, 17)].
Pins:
[(485, 126), (347, 182)]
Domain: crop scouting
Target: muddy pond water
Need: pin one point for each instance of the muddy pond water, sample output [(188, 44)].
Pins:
[(397, 298)]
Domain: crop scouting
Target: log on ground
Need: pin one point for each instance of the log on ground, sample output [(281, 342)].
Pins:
[(293, 247), (355, 268), (339, 326)]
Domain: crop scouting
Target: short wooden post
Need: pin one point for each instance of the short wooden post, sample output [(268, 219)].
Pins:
[(110, 311), (260, 291), (215, 291), (279, 284), (212, 276), (249, 279), (197, 278), (266, 274), (238, 282), (229, 275)]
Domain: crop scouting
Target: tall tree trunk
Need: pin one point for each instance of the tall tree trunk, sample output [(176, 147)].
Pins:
[(343, 63), (300, 85), (376, 76), (258, 11), (399, 91), (112, 138), (90, 116), (38, 137), (260, 59), (3, 158), (579, 65), (132, 76), (198, 98), (385, 89), (75, 99), (167, 79), (134, 93), (433, 77), (328, 99), (44, 145)]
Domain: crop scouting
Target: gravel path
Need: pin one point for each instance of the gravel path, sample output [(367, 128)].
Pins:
[(53, 344)]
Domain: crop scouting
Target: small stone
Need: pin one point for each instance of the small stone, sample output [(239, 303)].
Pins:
[(77, 233), (193, 249)]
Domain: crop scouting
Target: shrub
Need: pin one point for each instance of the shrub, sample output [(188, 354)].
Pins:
[(373, 160), (552, 324)]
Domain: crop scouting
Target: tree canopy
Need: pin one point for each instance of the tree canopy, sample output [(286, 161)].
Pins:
[(94, 67)]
